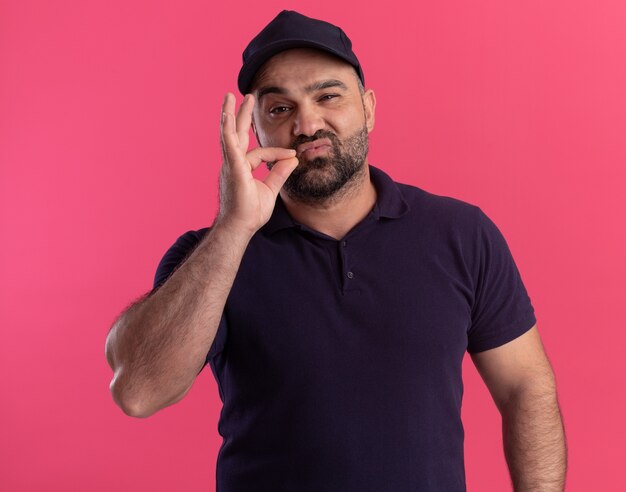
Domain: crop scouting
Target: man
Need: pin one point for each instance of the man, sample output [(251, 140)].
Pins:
[(334, 305)]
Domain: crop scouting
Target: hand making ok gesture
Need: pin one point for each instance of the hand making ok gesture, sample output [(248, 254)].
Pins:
[(247, 202)]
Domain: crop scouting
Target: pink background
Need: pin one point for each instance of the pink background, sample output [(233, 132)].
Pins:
[(109, 124)]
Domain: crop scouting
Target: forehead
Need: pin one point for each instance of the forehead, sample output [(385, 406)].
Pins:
[(302, 66)]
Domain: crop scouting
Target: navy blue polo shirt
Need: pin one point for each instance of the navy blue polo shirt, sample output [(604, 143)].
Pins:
[(338, 362)]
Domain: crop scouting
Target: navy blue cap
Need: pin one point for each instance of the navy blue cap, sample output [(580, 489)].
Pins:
[(287, 30)]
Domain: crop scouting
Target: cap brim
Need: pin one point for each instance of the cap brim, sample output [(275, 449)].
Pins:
[(256, 61)]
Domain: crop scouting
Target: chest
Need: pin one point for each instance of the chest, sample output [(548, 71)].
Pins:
[(343, 304)]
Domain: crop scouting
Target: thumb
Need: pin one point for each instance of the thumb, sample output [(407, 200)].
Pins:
[(279, 174), (268, 154)]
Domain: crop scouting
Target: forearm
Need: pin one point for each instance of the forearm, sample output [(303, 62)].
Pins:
[(158, 346), (534, 441)]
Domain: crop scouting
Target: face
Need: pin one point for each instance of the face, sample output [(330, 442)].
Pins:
[(311, 101)]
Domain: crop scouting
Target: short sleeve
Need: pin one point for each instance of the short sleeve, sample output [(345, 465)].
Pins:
[(172, 259), (502, 309)]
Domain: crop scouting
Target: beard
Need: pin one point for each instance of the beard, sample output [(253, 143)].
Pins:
[(317, 179)]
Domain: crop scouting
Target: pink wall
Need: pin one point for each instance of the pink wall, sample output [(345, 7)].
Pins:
[(109, 121)]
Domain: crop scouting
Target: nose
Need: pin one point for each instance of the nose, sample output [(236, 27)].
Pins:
[(308, 120)]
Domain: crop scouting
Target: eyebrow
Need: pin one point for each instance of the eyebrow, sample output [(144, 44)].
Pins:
[(315, 86)]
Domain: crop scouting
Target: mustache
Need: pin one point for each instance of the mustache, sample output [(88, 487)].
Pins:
[(301, 139)]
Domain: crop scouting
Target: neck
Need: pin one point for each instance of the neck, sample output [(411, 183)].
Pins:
[(338, 214)]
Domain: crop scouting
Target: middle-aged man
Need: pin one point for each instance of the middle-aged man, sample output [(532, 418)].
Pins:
[(335, 305)]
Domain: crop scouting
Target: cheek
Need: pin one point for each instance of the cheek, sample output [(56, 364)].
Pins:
[(268, 135), (273, 137), (266, 140), (349, 123)]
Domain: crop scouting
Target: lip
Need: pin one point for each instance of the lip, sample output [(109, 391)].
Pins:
[(320, 144)]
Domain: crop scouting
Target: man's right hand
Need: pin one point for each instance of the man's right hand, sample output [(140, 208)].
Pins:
[(158, 346), (246, 202)]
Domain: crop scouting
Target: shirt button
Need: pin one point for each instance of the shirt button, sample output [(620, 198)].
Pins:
[(350, 275), (344, 243)]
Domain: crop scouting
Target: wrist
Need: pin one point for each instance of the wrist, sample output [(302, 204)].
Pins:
[(233, 228)]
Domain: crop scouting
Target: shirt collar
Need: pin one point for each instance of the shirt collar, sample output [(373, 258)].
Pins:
[(389, 203)]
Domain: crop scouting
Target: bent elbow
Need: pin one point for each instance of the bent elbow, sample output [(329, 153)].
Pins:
[(138, 405), (133, 407)]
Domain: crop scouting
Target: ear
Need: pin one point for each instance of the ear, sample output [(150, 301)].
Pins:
[(369, 105)]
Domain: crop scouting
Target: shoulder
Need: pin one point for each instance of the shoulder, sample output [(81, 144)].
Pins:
[(185, 243), (441, 211), (191, 237), (417, 206), (177, 253)]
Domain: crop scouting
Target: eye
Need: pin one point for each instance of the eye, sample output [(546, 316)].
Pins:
[(328, 97), (279, 109)]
